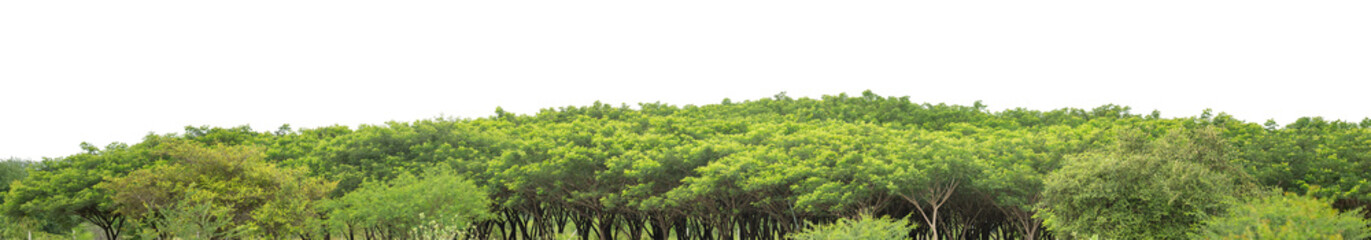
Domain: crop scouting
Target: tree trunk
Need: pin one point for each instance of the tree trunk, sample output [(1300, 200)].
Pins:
[(607, 225), (936, 197)]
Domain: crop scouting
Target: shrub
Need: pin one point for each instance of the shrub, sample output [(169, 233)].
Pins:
[(1285, 216), (865, 227), (437, 204), (1157, 189), (192, 218)]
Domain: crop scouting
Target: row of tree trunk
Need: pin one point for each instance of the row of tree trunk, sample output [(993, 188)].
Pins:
[(548, 223)]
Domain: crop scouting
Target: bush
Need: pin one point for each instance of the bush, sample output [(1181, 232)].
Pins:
[(438, 204), (192, 218), (1285, 216), (1157, 189), (865, 227)]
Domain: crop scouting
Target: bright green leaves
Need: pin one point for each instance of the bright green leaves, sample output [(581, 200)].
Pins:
[(194, 216), (203, 184), (1285, 216), (761, 165), (864, 227), (1159, 189), (65, 187), (438, 203)]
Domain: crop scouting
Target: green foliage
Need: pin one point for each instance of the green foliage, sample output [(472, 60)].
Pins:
[(1159, 189), (1327, 159), (1285, 216), (865, 227), (383, 152), (762, 167), (60, 189), (261, 196), (437, 205), (194, 216), (930, 169), (11, 170)]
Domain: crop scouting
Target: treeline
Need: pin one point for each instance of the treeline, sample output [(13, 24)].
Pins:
[(759, 169)]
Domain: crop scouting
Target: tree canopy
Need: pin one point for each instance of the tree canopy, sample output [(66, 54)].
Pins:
[(755, 169)]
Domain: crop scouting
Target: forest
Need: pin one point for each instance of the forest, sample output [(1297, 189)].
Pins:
[(836, 167)]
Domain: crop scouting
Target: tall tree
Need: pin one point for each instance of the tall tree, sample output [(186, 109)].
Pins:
[(64, 187), (934, 167)]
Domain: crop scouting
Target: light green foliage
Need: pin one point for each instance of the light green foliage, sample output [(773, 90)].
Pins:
[(1285, 216), (289, 146), (437, 205), (270, 200), (865, 227), (930, 169), (383, 152), (1018, 163), (194, 216), (1141, 190)]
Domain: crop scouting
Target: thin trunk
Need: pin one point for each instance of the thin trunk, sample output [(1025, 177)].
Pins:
[(706, 231), (635, 228), (351, 234), (583, 225), (682, 226), (936, 197), (606, 226)]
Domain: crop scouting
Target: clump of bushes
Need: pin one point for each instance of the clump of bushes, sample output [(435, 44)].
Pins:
[(864, 227), (1285, 216)]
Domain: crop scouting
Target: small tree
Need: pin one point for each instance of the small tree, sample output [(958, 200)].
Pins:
[(60, 188), (440, 205), (273, 201), (1159, 189)]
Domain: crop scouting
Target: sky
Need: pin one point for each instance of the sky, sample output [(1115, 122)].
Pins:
[(114, 71)]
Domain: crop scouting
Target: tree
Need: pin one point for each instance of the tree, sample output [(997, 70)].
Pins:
[(1326, 159), (11, 170), (755, 169), (1142, 189), (436, 205), (928, 173), (1019, 162), (64, 187), (271, 200)]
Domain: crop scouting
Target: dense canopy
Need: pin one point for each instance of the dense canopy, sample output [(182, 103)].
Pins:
[(759, 169)]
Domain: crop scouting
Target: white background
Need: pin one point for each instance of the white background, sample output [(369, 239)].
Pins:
[(103, 71)]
